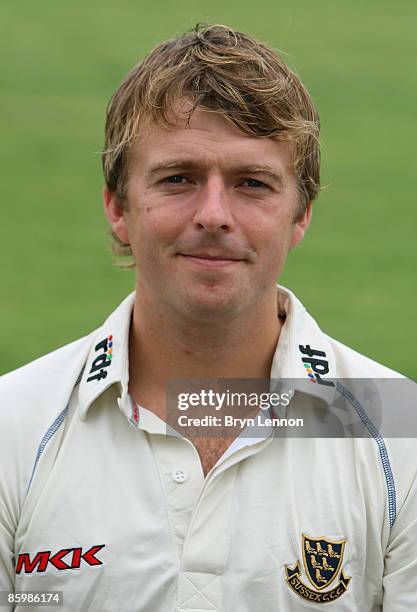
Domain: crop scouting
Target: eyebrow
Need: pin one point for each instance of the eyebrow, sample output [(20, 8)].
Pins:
[(171, 164), (188, 164)]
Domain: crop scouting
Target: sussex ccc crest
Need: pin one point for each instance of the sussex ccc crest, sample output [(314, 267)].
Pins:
[(322, 563)]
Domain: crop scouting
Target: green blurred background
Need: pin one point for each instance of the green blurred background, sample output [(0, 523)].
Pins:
[(61, 62)]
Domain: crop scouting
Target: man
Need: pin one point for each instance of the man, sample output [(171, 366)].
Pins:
[(211, 164)]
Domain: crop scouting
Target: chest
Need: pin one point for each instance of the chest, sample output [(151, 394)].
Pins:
[(265, 533), (210, 450)]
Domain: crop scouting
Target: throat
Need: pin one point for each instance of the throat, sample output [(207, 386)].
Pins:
[(210, 450)]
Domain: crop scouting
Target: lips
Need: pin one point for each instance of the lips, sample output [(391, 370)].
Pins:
[(210, 259), (217, 257)]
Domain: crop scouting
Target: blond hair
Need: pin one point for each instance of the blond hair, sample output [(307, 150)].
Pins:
[(223, 71)]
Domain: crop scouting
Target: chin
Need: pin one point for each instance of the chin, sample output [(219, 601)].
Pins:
[(212, 305)]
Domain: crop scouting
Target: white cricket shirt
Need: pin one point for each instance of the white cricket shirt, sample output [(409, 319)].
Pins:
[(98, 501)]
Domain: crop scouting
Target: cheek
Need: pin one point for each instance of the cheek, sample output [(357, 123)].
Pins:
[(152, 231), (271, 234), (276, 246)]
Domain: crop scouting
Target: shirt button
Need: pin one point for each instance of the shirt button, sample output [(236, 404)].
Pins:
[(179, 476)]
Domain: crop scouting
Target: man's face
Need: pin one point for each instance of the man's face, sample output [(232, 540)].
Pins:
[(211, 215)]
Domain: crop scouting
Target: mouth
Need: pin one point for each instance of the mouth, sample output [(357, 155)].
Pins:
[(209, 260)]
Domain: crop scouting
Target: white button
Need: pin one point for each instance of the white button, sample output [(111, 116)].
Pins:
[(179, 476)]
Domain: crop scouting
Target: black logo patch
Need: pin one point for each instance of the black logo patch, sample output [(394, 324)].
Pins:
[(100, 364), (316, 365)]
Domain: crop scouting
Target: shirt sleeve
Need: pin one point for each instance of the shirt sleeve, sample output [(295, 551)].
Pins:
[(6, 549), (8, 508), (400, 574), (11, 445)]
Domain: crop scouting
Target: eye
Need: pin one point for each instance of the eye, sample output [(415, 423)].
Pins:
[(254, 184), (175, 179)]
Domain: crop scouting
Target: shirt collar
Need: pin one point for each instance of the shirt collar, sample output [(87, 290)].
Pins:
[(108, 360), (301, 342), (304, 357)]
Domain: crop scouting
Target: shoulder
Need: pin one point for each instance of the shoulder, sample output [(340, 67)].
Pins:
[(386, 402), (32, 396), (351, 364), (305, 338), (44, 376)]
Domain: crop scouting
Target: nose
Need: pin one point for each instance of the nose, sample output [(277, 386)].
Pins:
[(213, 208)]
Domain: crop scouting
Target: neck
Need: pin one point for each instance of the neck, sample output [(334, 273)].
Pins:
[(165, 345)]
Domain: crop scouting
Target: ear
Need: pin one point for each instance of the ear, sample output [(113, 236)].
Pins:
[(115, 214), (301, 225)]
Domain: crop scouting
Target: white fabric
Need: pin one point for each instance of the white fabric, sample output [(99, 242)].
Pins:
[(107, 482)]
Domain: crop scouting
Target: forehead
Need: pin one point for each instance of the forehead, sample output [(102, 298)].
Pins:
[(208, 139)]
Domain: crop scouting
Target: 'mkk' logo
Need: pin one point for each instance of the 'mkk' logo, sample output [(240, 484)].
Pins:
[(41, 560)]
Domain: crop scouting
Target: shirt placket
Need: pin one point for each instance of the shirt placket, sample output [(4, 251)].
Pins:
[(199, 512)]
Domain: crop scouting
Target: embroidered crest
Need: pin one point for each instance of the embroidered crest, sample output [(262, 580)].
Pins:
[(322, 562)]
